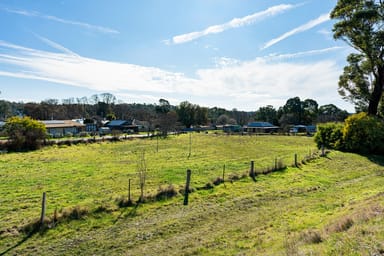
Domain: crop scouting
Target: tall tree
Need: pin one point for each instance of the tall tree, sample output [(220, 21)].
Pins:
[(296, 111), (310, 111), (186, 114), (200, 115), (331, 113), (293, 107), (360, 24), (267, 114), (5, 109), (163, 107)]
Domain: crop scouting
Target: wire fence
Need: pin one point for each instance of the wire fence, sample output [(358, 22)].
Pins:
[(230, 164)]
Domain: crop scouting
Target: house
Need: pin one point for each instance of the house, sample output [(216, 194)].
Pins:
[(122, 125), (143, 126), (261, 127), (59, 128)]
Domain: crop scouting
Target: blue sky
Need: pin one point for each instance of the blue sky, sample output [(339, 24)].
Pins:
[(241, 54)]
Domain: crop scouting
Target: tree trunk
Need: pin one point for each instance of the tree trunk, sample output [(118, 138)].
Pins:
[(377, 93)]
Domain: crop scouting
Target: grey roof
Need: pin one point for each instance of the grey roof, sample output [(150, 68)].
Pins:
[(261, 125), (119, 123)]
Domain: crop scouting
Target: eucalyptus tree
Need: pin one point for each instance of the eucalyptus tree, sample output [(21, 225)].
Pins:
[(360, 23)]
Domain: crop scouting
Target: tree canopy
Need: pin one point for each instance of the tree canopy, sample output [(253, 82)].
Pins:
[(360, 24)]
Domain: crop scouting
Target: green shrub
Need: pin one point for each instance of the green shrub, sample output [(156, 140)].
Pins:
[(329, 135), (364, 134), (25, 133)]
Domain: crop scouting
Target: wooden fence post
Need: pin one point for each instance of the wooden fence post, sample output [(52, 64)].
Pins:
[(296, 165), (157, 143), (224, 174), (252, 170), (187, 187), (190, 144), (43, 204), (129, 190), (275, 163)]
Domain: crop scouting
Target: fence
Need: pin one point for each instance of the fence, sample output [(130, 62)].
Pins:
[(204, 175)]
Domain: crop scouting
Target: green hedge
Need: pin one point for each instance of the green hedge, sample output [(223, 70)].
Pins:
[(364, 134), (330, 135), (360, 133)]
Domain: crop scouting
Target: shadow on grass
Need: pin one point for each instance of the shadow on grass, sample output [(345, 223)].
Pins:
[(376, 159), (18, 244), (131, 213)]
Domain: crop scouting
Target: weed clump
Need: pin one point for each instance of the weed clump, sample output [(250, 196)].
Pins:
[(74, 213), (342, 225), (124, 202), (207, 186), (166, 192), (311, 237), (218, 181), (36, 226)]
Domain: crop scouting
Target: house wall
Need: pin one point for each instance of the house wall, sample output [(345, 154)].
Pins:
[(63, 131)]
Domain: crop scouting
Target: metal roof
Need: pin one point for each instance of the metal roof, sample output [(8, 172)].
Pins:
[(61, 123), (261, 125), (118, 123)]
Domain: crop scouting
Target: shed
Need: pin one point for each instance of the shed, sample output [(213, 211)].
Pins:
[(232, 128), (58, 128), (122, 125)]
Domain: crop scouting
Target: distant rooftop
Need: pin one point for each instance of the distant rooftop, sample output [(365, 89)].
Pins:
[(261, 125), (61, 123), (53, 122)]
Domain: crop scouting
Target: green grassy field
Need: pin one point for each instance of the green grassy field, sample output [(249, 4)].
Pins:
[(330, 206)]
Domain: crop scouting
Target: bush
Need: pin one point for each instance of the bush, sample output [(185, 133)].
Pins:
[(329, 135), (364, 134), (24, 133)]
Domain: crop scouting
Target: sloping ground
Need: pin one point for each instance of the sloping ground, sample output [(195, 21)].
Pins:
[(331, 206)]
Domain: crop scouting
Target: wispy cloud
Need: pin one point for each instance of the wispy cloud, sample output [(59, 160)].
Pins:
[(234, 23), (280, 57), (245, 85), (56, 45), (321, 19), (84, 25)]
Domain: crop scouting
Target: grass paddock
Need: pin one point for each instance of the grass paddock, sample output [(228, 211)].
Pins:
[(333, 205)]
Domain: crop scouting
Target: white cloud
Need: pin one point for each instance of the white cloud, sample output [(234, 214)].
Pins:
[(234, 23), (304, 54), (56, 45), (231, 84), (87, 26), (321, 19)]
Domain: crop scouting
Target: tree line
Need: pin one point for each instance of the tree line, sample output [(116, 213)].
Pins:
[(165, 116)]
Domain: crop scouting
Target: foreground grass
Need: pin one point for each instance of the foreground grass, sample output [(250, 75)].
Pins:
[(332, 206)]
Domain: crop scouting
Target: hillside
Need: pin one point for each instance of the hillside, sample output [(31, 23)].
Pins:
[(331, 205)]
